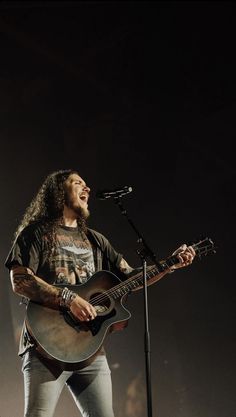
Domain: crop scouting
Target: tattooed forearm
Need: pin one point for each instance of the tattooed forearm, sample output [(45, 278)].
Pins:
[(36, 289), (124, 267)]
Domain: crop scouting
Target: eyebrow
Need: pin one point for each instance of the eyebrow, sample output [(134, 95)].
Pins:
[(78, 179)]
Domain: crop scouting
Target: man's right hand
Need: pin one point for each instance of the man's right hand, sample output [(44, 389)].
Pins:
[(82, 310)]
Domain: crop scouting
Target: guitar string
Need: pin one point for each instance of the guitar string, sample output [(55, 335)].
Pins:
[(135, 279), (113, 290)]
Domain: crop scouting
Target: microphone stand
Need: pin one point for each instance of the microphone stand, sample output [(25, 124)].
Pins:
[(144, 253)]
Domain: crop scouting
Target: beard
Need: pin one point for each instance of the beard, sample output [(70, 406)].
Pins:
[(81, 212)]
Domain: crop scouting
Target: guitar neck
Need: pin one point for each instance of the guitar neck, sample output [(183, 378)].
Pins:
[(202, 248), (137, 279)]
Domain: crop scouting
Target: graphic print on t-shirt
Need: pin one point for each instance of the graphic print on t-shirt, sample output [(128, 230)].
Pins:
[(73, 261)]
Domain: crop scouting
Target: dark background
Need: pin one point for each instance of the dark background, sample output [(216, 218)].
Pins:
[(141, 94)]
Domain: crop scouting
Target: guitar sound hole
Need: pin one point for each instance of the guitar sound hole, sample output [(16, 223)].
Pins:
[(103, 305)]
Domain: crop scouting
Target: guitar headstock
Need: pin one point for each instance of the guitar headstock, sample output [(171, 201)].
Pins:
[(204, 247)]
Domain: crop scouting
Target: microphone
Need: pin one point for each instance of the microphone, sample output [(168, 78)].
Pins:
[(104, 194)]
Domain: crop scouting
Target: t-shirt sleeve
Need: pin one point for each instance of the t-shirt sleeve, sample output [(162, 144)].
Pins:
[(109, 253), (25, 250), (112, 255)]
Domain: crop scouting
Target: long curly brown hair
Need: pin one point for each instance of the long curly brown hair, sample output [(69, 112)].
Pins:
[(47, 206)]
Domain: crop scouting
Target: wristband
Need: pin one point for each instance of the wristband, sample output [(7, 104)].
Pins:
[(67, 296)]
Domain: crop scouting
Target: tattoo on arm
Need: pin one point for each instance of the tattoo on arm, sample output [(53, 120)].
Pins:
[(124, 267), (36, 289)]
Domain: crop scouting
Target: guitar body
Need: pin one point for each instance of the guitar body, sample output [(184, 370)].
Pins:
[(74, 344)]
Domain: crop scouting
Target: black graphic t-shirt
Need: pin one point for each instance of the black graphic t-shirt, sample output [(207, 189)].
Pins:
[(75, 259)]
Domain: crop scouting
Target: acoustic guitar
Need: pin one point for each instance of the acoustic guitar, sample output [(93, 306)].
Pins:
[(62, 337)]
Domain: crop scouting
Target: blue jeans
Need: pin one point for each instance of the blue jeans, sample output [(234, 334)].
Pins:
[(90, 387)]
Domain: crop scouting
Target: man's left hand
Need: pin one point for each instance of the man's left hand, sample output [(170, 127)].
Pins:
[(185, 254)]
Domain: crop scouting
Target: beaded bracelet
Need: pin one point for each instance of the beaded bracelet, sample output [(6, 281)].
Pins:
[(67, 296)]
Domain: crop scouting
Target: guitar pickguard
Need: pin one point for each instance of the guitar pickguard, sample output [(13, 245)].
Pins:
[(93, 326)]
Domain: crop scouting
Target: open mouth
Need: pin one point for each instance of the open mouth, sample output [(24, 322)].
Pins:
[(84, 197)]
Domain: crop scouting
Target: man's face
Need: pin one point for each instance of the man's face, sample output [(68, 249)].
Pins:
[(77, 195)]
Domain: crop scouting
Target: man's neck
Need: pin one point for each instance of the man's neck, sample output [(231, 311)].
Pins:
[(69, 217)]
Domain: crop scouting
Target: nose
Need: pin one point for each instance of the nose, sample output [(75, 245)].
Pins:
[(86, 188)]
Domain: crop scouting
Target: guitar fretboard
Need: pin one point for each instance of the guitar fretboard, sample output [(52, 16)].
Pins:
[(202, 248)]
